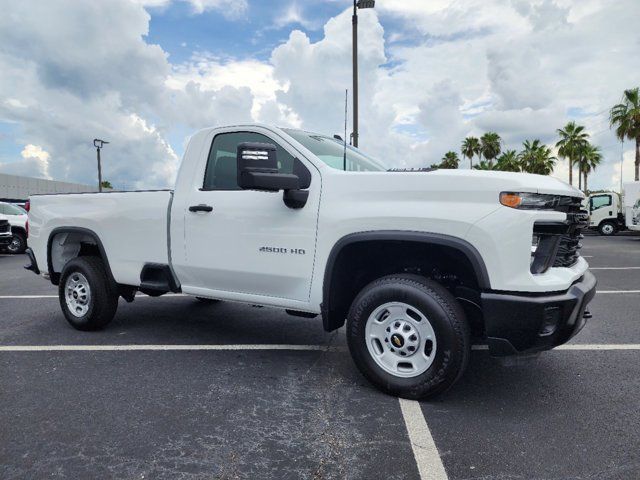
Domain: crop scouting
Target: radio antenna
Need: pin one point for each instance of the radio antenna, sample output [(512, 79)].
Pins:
[(344, 152)]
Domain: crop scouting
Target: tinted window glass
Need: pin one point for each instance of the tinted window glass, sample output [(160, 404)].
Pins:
[(601, 201), (12, 210), (332, 152), (221, 172)]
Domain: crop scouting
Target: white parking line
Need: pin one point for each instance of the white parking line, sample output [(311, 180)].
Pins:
[(139, 295), (109, 348), (614, 268), (424, 448), (617, 291), (583, 346)]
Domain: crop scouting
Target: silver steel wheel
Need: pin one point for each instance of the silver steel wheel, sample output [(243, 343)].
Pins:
[(77, 293), (607, 229), (400, 339), (15, 245)]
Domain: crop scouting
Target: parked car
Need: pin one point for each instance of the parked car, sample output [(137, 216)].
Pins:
[(17, 217), (415, 261)]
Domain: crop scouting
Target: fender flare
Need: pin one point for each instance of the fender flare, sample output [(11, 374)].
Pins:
[(466, 248), (55, 277)]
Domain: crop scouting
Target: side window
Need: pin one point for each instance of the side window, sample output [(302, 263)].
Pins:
[(600, 201), (221, 171)]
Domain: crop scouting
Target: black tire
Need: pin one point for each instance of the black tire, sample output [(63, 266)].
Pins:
[(209, 301), (103, 301), (607, 229), (446, 317), (18, 243)]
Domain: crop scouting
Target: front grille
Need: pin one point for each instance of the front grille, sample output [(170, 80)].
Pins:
[(4, 226), (569, 244), (558, 243)]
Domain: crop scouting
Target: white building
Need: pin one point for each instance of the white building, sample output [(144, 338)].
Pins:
[(17, 189)]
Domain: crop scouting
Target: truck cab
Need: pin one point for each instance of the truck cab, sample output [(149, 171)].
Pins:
[(604, 213)]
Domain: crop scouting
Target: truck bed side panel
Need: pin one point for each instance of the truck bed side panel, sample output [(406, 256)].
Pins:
[(132, 227)]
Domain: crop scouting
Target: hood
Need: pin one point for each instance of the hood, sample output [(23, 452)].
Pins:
[(511, 181)]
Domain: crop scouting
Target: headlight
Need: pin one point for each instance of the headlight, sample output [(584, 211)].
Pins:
[(529, 201)]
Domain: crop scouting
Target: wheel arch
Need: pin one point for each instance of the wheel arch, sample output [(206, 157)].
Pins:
[(79, 242), (335, 307)]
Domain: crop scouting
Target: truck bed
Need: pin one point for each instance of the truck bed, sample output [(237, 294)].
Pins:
[(131, 226)]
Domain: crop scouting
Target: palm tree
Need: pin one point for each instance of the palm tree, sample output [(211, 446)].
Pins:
[(625, 117), (537, 158), (450, 160), (484, 165), (572, 139), (490, 146), (508, 162), (592, 157), (470, 147)]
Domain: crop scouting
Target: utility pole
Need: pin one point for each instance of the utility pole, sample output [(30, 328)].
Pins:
[(99, 144), (354, 30)]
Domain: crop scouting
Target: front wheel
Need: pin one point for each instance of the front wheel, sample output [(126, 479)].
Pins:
[(408, 336), (18, 243), (607, 229), (87, 296)]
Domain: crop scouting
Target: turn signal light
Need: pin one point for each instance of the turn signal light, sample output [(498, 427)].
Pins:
[(512, 200)]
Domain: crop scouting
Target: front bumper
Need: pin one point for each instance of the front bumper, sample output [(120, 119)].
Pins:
[(518, 323), (5, 239)]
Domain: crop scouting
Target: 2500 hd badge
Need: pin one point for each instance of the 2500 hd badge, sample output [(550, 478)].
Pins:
[(294, 251)]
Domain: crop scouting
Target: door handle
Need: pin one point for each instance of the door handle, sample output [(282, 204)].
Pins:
[(201, 208)]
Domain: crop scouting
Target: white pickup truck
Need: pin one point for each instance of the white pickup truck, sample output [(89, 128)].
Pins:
[(415, 261)]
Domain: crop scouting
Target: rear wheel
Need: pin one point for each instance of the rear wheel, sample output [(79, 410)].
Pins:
[(408, 336), (607, 229), (88, 298), (18, 243)]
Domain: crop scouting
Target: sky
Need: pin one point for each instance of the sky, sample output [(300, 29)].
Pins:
[(146, 74)]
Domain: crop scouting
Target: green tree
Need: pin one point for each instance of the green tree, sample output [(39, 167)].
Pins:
[(484, 165), (573, 138), (536, 158), (106, 184), (450, 160), (491, 145), (508, 162), (470, 147), (625, 117), (590, 159)]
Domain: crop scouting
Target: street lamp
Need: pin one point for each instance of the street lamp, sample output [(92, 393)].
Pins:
[(99, 144), (354, 23)]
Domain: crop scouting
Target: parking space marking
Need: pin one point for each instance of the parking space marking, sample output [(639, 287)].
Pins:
[(108, 348), (614, 268), (424, 448), (139, 295), (617, 291), (583, 346)]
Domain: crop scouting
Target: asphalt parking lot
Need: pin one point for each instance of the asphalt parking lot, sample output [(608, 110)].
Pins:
[(256, 393)]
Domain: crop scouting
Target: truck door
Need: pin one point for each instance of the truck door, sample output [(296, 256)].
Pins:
[(247, 242)]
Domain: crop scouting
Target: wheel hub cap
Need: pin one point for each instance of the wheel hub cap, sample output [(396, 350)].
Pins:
[(400, 339), (77, 294)]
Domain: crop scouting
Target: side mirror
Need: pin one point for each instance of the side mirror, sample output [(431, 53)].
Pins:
[(258, 169)]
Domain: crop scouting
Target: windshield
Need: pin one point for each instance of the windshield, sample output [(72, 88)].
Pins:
[(13, 210), (331, 151)]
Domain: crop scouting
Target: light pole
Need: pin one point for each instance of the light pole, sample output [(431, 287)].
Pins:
[(354, 24), (99, 144)]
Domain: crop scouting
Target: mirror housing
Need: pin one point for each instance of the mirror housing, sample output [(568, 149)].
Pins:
[(258, 169)]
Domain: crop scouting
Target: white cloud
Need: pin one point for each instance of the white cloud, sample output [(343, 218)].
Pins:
[(229, 8), (520, 67)]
